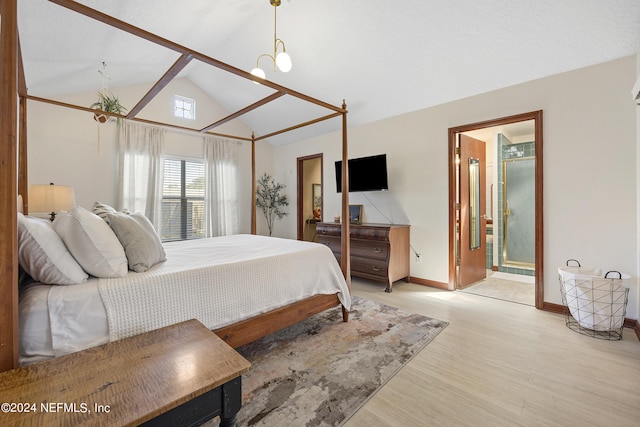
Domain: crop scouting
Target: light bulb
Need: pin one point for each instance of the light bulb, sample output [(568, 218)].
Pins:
[(283, 61), (258, 73)]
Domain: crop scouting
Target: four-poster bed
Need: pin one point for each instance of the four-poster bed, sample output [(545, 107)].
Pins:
[(13, 155)]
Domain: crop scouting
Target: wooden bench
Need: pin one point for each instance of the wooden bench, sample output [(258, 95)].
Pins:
[(178, 375)]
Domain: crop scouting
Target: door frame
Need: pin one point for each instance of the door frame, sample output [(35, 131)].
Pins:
[(539, 221), (299, 191)]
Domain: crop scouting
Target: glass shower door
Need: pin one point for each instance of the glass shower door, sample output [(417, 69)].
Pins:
[(519, 212)]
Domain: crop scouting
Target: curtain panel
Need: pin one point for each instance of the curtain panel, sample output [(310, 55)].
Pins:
[(221, 186), (140, 169)]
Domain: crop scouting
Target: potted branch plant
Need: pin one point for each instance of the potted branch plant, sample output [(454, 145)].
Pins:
[(269, 199), (109, 103)]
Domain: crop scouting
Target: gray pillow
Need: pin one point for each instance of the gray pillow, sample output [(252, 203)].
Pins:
[(139, 239), (102, 209)]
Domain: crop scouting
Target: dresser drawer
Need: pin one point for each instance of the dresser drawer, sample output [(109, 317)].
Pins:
[(369, 233), (369, 266), (332, 242), (324, 229), (370, 249)]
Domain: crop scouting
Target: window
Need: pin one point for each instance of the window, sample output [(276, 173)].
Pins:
[(182, 200), (184, 107)]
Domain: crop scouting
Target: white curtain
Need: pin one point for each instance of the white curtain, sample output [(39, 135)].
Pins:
[(221, 189), (140, 171)]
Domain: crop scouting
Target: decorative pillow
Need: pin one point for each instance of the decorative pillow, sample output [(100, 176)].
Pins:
[(91, 242), (139, 239), (43, 255), (102, 210)]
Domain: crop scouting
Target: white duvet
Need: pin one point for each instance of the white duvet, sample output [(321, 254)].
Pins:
[(218, 281)]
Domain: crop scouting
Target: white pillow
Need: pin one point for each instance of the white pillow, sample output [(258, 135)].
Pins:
[(43, 255), (139, 239), (91, 242)]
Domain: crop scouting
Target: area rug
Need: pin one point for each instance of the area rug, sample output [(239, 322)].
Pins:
[(320, 371)]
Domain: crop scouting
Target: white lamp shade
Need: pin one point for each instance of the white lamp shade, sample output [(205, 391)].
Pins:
[(258, 72), (51, 198), (283, 61)]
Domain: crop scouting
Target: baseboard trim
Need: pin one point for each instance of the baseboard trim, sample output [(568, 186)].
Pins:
[(631, 323), (553, 308), (430, 283)]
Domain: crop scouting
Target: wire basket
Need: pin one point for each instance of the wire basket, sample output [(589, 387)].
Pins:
[(594, 303)]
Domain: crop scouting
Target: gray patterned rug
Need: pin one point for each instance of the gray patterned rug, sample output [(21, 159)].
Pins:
[(320, 371)]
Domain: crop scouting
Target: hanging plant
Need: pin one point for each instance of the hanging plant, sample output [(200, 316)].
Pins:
[(107, 102), (269, 199)]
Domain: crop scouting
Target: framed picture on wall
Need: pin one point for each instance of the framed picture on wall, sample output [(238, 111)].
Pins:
[(355, 214), (316, 192)]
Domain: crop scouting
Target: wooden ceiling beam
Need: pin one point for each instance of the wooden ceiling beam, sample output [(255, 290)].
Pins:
[(120, 116), (244, 111), (298, 126), (171, 73), (110, 20)]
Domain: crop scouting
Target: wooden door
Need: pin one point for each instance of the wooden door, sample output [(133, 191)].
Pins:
[(473, 212)]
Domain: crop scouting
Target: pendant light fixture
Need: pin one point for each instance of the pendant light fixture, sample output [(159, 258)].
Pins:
[(281, 60)]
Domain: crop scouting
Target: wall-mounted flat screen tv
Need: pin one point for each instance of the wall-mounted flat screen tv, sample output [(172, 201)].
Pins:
[(365, 174)]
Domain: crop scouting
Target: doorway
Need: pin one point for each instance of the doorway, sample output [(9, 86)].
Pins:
[(310, 195), (509, 205)]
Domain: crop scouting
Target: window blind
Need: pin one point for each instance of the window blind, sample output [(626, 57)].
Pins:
[(183, 212)]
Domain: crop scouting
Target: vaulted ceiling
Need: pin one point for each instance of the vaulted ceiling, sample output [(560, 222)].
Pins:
[(384, 58)]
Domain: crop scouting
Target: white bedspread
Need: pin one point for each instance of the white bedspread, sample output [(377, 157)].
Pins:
[(220, 281)]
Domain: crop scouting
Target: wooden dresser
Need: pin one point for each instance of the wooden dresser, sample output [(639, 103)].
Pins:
[(378, 251)]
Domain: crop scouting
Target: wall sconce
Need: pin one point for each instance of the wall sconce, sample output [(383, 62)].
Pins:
[(282, 60), (51, 198)]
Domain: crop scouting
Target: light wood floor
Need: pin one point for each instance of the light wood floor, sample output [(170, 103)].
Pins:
[(495, 286), (503, 364)]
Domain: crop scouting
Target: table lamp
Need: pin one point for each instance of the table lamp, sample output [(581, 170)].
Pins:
[(51, 198)]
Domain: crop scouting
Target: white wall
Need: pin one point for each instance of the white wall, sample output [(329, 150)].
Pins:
[(589, 170), (68, 147)]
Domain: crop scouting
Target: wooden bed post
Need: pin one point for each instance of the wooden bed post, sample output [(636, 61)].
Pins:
[(23, 178), (253, 183), (23, 181), (8, 186), (345, 242)]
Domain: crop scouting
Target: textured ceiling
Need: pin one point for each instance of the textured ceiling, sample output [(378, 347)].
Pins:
[(384, 58)]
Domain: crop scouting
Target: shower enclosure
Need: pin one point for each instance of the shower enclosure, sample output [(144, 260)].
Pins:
[(518, 210)]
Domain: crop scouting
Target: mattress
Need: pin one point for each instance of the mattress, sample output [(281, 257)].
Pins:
[(219, 281)]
